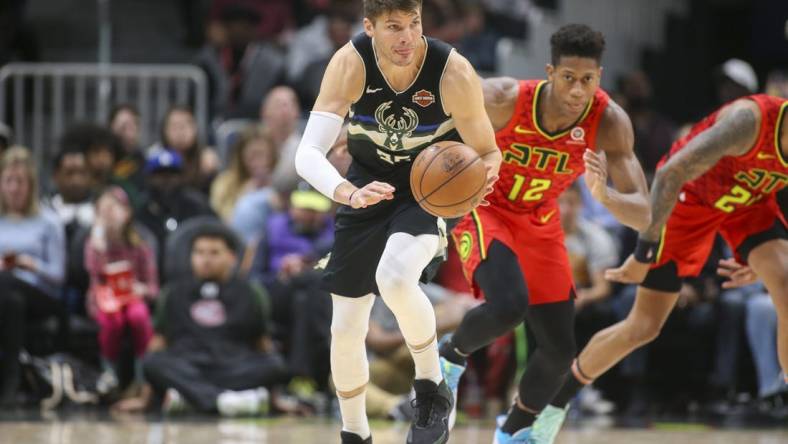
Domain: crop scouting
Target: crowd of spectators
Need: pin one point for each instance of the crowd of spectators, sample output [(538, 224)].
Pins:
[(198, 269), (252, 47)]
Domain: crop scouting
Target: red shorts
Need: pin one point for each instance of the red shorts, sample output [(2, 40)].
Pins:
[(535, 237), (689, 233)]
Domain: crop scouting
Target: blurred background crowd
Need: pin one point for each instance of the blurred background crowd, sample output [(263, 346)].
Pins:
[(166, 254)]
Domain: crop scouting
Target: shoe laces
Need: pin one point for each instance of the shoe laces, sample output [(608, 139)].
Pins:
[(423, 405)]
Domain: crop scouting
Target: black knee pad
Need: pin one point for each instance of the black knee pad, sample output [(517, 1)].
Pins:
[(500, 278)]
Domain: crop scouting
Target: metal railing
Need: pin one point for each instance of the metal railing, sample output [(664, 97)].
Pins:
[(40, 100)]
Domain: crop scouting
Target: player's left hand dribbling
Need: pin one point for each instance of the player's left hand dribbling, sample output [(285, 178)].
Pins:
[(631, 271), (596, 174), (371, 194)]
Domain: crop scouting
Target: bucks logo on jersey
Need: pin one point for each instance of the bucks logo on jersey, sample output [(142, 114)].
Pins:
[(395, 128), (389, 128)]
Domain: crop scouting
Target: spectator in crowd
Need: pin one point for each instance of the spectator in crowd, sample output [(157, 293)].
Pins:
[(101, 148), (124, 122), (280, 113), (510, 18), (169, 202), (102, 151), (240, 69), (72, 201), (179, 133), (594, 211), (73, 204), (735, 78), (654, 133), (762, 337), (444, 20), (123, 278), (211, 347), (275, 17), (284, 259), (252, 161), (313, 45), (296, 239), (591, 251), (32, 245), (728, 318), (480, 41), (252, 211)]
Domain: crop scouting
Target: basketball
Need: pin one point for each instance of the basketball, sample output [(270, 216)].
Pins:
[(448, 179)]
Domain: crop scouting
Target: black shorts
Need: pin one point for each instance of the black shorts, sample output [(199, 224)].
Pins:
[(360, 240), (666, 277)]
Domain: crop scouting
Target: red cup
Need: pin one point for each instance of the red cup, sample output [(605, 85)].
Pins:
[(9, 260), (120, 279)]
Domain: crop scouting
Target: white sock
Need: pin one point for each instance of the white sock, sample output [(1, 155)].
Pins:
[(354, 414), (427, 363)]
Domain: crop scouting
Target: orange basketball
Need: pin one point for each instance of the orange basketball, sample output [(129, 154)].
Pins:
[(448, 179)]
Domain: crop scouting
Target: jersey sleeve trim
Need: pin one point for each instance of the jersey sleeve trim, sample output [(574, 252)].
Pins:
[(358, 53), (777, 134), (440, 81)]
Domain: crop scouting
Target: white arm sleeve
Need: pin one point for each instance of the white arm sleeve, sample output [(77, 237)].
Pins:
[(321, 132)]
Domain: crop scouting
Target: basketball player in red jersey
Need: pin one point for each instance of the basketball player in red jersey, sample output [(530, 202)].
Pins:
[(722, 177), (513, 251)]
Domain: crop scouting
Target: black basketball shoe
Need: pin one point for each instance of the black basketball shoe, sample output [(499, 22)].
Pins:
[(432, 404), (352, 438)]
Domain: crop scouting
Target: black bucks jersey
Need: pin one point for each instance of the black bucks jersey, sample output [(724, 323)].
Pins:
[(388, 129)]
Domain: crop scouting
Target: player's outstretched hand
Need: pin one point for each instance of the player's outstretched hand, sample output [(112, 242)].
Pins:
[(738, 275), (631, 271), (371, 194), (596, 174), (491, 165)]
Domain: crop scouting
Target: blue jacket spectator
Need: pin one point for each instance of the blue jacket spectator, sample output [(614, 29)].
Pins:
[(32, 245)]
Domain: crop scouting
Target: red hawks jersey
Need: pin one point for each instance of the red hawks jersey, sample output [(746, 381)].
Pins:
[(537, 165), (735, 182)]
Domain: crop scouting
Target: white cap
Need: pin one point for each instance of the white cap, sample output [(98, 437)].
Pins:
[(742, 73)]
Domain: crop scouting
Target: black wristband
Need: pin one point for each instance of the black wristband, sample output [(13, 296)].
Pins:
[(646, 251)]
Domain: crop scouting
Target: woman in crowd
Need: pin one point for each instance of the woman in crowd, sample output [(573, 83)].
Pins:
[(32, 269), (124, 122), (179, 133), (252, 161)]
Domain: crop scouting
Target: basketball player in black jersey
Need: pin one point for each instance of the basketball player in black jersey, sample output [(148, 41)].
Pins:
[(403, 92)]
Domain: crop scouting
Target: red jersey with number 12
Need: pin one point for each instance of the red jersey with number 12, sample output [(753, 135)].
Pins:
[(537, 165), (736, 182)]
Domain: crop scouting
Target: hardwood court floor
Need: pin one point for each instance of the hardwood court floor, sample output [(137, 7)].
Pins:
[(297, 431)]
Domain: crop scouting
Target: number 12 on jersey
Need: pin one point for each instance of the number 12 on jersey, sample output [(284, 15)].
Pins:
[(534, 190)]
